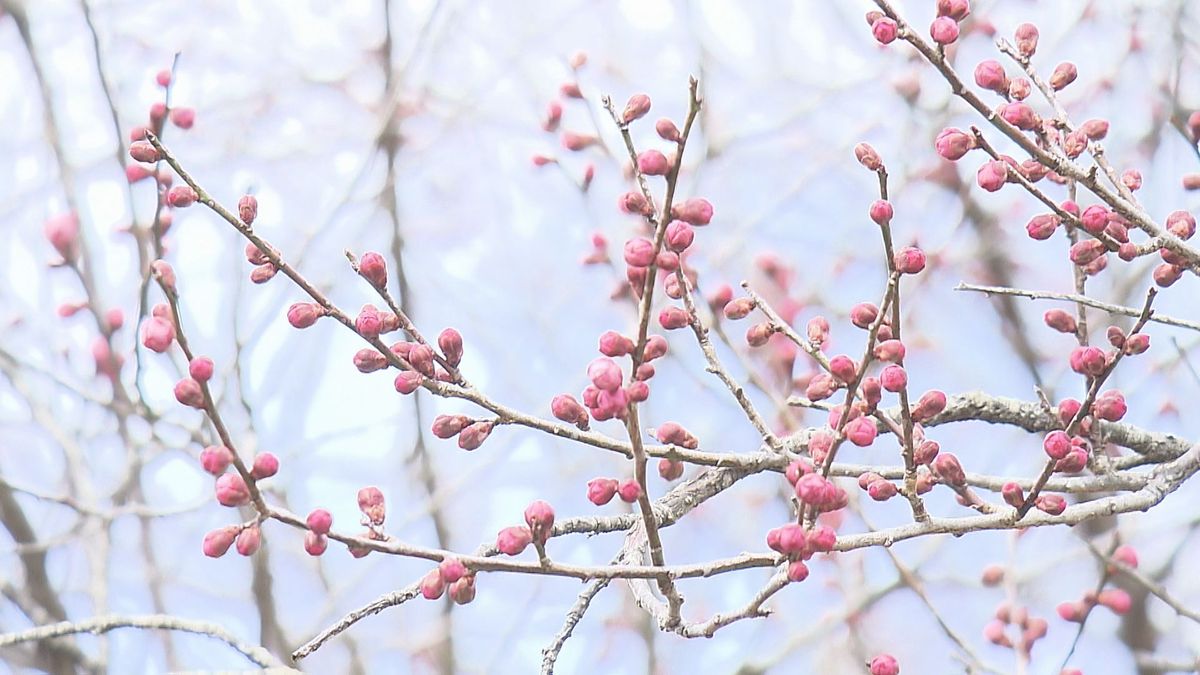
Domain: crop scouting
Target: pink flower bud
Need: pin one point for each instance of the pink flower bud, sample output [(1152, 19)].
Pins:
[(201, 368), (1137, 344), (163, 78), (1060, 321), (265, 465), (1088, 361), (371, 503), (1074, 144), (319, 521), (1013, 495), (513, 540), (567, 409), (463, 591), (1132, 179), (1116, 599), (667, 130), (189, 393), (451, 570), (740, 308), (554, 111), (882, 490), (843, 368), (695, 211), (679, 236), (1181, 224), (1064, 74), (369, 323), (629, 491), (600, 491), (864, 314), (1094, 219), (1126, 555), (885, 31), (890, 350), (1166, 274), (949, 470), (1071, 611), (473, 436), (670, 469), (990, 75), (636, 108), (673, 433), (881, 212), (1110, 406), (575, 141), (143, 151), (671, 318), (1057, 444), (432, 585), (1075, 461), (215, 459), (866, 155), (788, 540), (448, 426), (1087, 251), (885, 664), (653, 163), (304, 314), (817, 330), (910, 260), (157, 334), (1020, 116), (249, 541), (944, 30), (639, 252), (1026, 37), (954, 144), (183, 118), (893, 378), (615, 345), (638, 391), (135, 173), (861, 431), (218, 541), (605, 374), (158, 112), (758, 334), (993, 632), (955, 9), (182, 196), (1094, 129), (62, 231), (992, 175), (821, 387), (656, 347), (797, 571), (369, 360), (1051, 504), (232, 490)]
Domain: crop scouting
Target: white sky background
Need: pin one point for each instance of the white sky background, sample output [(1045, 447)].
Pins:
[(288, 98)]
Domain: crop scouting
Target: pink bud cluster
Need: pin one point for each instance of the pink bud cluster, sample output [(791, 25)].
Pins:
[(539, 525), (450, 575), (601, 491), (1029, 628)]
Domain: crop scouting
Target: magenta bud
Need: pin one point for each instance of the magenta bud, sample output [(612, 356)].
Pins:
[(513, 540), (373, 268), (639, 252), (1094, 129), (955, 9), (865, 154), (1060, 321), (843, 368), (615, 345), (1126, 555), (953, 144), (653, 163), (656, 346), (1094, 219), (1020, 116), (567, 409), (319, 521), (864, 314), (884, 664), (670, 469), (1137, 344), (473, 435), (605, 374), (189, 393), (265, 465), (143, 151), (304, 314), (231, 490), (1057, 444), (201, 368), (1051, 504), (600, 491), (797, 571), (451, 570), (369, 360), (861, 431), (1013, 495), (371, 503), (679, 236), (893, 378), (629, 491), (926, 451), (408, 381), (882, 490), (881, 212), (944, 30), (448, 426), (947, 467), (637, 391), (667, 130), (215, 459), (910, 260), (183, 118), (992, 175), (1116, 599), (1181, 224), (673, 433), (463, 590), (248, 209), (218, 541), (1110, 406), (672, 318), (634, 202), (1167, 274), (157, 334), (890, 350), (990, 75), (817, 330), (885, 31), (821, 387), (739, 309), (636, 108), (249, 541), (182, 196), (1026, 37), (433, 585), (1087, 251), (695, 211), (1088, 361)]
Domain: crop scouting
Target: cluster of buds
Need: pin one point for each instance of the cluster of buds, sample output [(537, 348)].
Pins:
[(601, 491), (319, 522), (1115, 599), (248, 539), (539, 525), (608, 397), (450, 575), (799, 545), (1028, 629), (815, 490)]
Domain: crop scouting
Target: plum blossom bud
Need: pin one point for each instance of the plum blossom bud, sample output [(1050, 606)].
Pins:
[(863, 314), (843, 368), (1051, 504), (182, 196), (672, 318), (949, 470), (201, 368), (1166, 274), (189, 393), (448, 426), (432, 585), (232, 491), (758, 334), (695, 211), (1057, 444), (653, 163), (214, 459), (218, 541), (473, 436), (861, 431), (890, 350), (373, 268), (993, 632), (629, 491), (263, 273), (249, 541), (1020, 116), (955, 9), (885, 31), (893, 378), (1094, 219), (1116, 599), (463, 590), (884, 664), (1127, 252), (1126, 555), (369, 360), (143, 151), (319, 521), (248, 209), (1115, 336), (605, 374), (1137, 344), (1181, 224), (788, 540), (929, 405), (667, 130), (926, 452), (567, 409), (636, 108), (158, 112), (944, 30), (909, 260), (1064, 74), (990, 75), (670, 469), (881, 212), (600, 491), (1110, 406), (1026, 37), (157, 334), (1013, 495), (1075, 461), (637, 391), (265, 465), (136, 172), (1132, 179), (451, 570), (679, 236), (797, 571), (817, 330), (1094, 129), (539, 516), (992, 175), (370, 502), (1088, 361), (304, 314), (1074, 144), (953, 144), (673, 433), (820, 387), (1060, 320), (865, 154), (368, 323), (639, 252), (183, 118), (1087, 251), (451, 343), (554, 111), (882, 490), (575, 141), (656, 346), (739, 309), (62, 231)]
